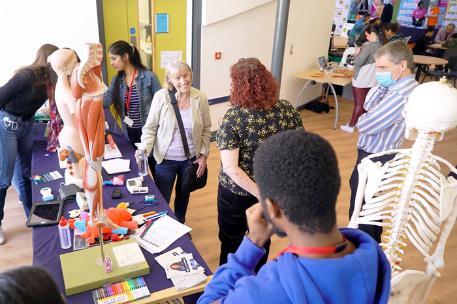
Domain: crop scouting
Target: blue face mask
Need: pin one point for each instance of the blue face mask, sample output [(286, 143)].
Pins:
[(385, 79)]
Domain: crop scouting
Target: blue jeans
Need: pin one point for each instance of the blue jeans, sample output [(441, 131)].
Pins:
[(164, 176), (16, 144)]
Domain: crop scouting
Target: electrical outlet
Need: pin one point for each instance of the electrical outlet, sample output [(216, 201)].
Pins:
[(291, 49)]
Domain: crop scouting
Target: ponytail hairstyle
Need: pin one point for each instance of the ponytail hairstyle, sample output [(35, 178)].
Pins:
[(121, 48), (379, 31)]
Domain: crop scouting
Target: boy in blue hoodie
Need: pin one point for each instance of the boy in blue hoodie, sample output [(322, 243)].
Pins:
[(297, 175)]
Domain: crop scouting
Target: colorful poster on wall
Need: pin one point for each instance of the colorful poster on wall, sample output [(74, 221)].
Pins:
[(451, 12), (340, 15), (405, 11)]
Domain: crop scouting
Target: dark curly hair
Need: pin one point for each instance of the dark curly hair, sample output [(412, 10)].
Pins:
[(299, 171), (253, 86)]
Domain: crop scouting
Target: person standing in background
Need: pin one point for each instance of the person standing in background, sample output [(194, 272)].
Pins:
[(161, 133), (255, 115), (432, 17), (20, 98), (131, 92), (387, 11), (419, 13), (364, 77)]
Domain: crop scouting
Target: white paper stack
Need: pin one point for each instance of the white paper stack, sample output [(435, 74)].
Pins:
[(181, 268), (160, 234), (116, 165), (111, 152)]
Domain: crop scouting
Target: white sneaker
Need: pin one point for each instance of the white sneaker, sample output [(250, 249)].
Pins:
[(347, 128), (2, 236)]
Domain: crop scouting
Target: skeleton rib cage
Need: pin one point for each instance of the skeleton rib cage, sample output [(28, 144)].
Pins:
[(412, 200)]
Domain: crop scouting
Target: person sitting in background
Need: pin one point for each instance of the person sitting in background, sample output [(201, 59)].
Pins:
[(364, 77), (359, 27), (445, 33), (421, 44), (418, 15), (451, 46), (298, 180), (28, 285), (392, 31), (432, 17)]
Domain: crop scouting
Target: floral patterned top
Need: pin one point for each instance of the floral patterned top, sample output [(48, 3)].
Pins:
[(246, 129)]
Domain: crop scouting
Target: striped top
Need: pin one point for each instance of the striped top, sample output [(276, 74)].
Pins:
[(382, 127), (134, 112)]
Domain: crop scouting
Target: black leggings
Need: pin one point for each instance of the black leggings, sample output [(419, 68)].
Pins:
[(232, 221)]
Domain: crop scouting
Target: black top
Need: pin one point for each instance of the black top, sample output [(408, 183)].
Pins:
[(421, 45), (246, 129), (387, 13), (20, 97)]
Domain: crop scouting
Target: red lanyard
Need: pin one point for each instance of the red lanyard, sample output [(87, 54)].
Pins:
[(315, 250), (129, 94)]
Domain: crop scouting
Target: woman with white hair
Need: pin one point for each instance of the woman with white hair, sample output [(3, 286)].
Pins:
[(161, 133)]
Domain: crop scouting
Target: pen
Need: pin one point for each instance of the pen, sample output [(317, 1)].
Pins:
[(157, 215)]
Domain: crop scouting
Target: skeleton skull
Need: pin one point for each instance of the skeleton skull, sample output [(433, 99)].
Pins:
[(431, 108)]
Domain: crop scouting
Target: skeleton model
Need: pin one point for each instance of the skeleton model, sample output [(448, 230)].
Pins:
[(409, 196), (63, 62)]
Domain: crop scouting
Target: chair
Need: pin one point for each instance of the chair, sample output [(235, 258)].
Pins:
[(450, 71)]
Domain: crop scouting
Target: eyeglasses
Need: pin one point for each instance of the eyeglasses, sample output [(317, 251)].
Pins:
[(8, 122)]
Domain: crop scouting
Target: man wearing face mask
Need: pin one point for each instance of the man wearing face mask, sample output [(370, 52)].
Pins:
[(382, 127), (298, 180)]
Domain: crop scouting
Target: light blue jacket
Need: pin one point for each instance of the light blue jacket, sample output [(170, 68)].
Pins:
[(146, 83)]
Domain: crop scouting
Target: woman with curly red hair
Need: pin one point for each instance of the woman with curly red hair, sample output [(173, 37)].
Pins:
[(255, 115)]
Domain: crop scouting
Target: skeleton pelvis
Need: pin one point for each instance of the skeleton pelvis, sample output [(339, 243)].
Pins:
[(410, 286)]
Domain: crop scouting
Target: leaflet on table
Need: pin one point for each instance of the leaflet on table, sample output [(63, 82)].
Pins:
[(162, 233), (111, 153), (181, 268), (116, 165)]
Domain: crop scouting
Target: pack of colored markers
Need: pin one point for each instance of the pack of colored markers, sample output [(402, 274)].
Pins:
[(122, 292)]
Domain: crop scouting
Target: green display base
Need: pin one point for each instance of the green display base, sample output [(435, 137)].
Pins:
[(83, 270)]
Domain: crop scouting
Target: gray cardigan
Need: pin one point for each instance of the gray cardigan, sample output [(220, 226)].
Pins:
[(365, 56)]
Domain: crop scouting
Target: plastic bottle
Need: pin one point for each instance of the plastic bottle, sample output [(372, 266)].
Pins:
[(142, 159), (64, 233)]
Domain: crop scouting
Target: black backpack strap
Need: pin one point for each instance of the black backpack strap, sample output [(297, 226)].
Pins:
[(174, 102)]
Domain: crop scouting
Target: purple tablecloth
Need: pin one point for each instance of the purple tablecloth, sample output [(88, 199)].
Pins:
[(46, 244)]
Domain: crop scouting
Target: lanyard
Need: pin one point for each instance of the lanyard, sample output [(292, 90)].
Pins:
[(129, 94), (315, 250)]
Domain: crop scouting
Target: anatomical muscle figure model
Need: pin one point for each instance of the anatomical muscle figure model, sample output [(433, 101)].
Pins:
[(88, 88), (63, 62), (409, 196)]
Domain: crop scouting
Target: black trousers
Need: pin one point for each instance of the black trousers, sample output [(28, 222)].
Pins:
[(135, 137), (232, 221), (374, 231)]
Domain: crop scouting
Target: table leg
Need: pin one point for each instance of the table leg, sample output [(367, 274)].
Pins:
[(419, 71), (299, 96), (336, 105)]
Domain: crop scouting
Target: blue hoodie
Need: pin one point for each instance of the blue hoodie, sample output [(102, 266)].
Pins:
[(360, 277)]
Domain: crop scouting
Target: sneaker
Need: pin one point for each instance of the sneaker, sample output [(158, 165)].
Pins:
[(347, 128), (2, 236)]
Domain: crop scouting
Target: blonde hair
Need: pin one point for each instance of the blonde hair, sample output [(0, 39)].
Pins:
[(172, 68)]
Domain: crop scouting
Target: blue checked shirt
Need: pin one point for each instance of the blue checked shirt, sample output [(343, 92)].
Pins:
[(382, 127)]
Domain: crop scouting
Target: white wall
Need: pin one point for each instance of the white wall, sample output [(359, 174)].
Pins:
[(216, 10), (250, 34), (27, 24)]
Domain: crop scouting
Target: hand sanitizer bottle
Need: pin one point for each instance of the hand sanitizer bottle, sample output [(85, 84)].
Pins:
[(64, 233)]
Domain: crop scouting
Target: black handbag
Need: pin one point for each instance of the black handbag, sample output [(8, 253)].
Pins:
[(190, 182)]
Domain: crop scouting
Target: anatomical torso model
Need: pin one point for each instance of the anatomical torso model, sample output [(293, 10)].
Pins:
[(410, 196), (63, 62)]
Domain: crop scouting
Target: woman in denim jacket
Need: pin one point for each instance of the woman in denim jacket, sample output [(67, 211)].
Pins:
[(131, 91)]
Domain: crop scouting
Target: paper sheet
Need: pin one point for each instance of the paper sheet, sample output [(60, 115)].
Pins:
[(129, 254), (116, 165), (161, 234), (111, 153)]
